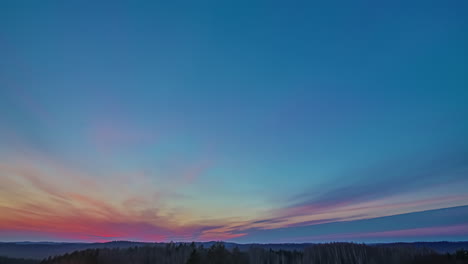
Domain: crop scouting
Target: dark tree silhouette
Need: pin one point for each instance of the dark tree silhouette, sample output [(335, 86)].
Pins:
[(194, 257), (334, 253)]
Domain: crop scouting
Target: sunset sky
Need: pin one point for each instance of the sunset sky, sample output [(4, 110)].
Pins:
[(244, 121)]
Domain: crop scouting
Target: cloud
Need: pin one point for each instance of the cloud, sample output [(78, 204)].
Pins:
[(420, 225), (39, 196), (438, 231), (377, 189)]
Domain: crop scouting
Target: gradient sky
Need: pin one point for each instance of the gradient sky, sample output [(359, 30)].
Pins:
[(246, 121)]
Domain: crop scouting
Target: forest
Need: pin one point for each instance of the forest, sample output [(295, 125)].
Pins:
[(190, 253)]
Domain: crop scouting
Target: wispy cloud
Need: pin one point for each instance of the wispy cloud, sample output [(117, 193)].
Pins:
[(38, 194), (437, 231), (420, 225), (378, 194), (41, 195)]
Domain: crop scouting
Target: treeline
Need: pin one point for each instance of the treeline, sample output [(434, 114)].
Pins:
[(6, 260), (334, 253)]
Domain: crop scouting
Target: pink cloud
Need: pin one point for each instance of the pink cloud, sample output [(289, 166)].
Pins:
[(35, 203)]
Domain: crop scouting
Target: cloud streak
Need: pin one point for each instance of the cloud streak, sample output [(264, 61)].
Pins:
[(396, 235), (69, 210), (70, 205)]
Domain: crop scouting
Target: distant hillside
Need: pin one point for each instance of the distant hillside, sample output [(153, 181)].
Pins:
[(45, 249), (332, 253), (5, 260), (439, 247)]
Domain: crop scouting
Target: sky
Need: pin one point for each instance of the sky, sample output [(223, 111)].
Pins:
[(243, 121)]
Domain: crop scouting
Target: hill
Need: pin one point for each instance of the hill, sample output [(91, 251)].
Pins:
[(41, 250)]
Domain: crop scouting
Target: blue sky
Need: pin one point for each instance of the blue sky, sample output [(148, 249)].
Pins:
[(216, 115)]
